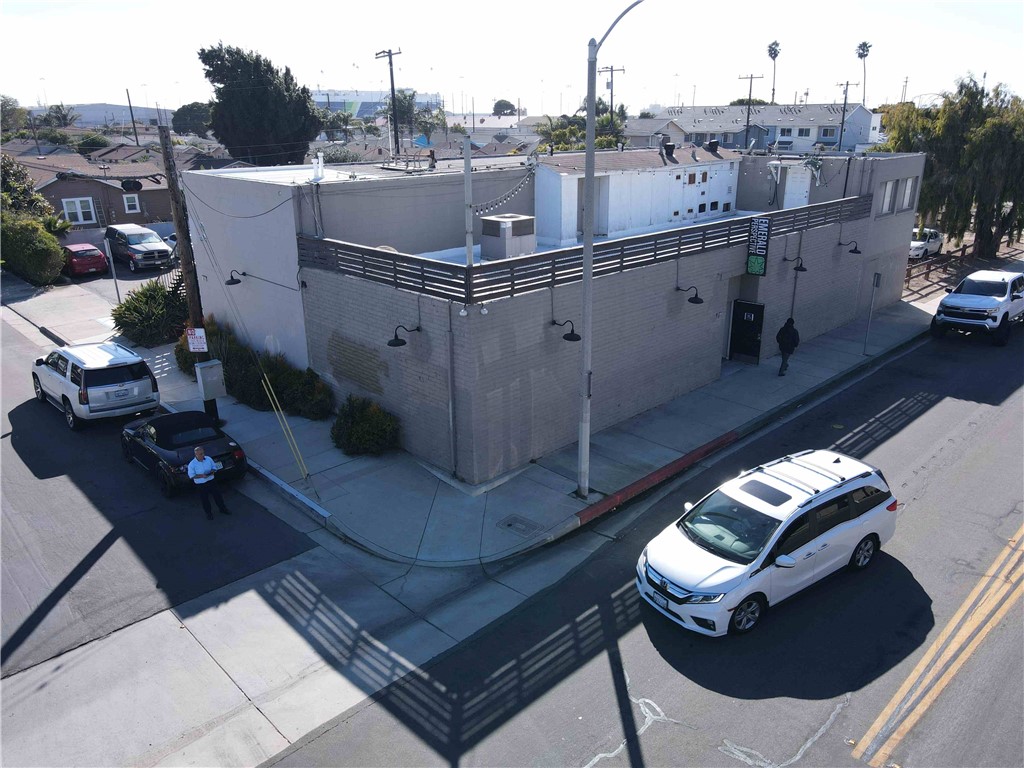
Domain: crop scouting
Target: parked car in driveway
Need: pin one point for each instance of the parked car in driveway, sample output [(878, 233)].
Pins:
[(925, 242), (95, 381), (164, 445), (763, 537), (83, 259), (138, 246), (988, 301)]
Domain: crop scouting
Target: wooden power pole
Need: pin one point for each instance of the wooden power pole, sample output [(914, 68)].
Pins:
[(179, 212)]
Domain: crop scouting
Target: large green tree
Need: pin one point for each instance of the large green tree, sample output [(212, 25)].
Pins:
[(192, 118), (862, 53), (59, 116), (12, 116), (404, 110), (503, 108), (259, 113), (974, 175), (19, 190)]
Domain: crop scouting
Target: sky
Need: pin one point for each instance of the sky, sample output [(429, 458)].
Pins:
[(529, 52)]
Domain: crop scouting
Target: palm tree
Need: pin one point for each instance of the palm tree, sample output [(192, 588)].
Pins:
[(862, 53), (773, 54)]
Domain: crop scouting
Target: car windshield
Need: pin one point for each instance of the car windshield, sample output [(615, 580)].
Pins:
[(981, 288), (728, 528), (84, 253), (118, 374), (920, 234), (196, 436), (144, 237)]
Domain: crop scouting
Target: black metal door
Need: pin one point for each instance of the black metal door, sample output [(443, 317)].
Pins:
[(745, 337)]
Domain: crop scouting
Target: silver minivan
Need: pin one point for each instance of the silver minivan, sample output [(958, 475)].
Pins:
[(95, 381)]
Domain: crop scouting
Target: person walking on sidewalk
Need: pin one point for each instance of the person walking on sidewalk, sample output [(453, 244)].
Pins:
[(202, 471), (788, 339)]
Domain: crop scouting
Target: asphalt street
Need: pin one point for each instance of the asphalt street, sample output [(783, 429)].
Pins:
[(89, 545), (585, 674)]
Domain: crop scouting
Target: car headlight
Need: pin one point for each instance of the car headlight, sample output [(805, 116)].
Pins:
[(643, 559), (992, 312), (182, 468), (698, 598)]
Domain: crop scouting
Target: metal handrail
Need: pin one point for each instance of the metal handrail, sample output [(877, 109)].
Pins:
[(510, 277)]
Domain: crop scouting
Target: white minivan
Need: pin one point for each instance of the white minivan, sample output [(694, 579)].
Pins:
[(764, 536)]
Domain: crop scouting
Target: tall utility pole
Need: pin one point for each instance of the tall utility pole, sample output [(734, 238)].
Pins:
[(611, 86), (188, 265), (132, 113), (842, 124), (903, 97), (394, 115), (750, 95)]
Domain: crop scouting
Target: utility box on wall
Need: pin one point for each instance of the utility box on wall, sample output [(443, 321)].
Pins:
[(507, 235), (210, 377)]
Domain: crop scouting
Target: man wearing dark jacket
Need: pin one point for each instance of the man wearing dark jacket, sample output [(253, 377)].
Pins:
[(788, 339)]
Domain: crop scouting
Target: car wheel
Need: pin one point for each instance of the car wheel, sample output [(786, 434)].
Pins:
[(167, 487), (73, 422), (937, 330), (1002, 334), (747, 615), (131, 265), (864, 553), (40, 394)]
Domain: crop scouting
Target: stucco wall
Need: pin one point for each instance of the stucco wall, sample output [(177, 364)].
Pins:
[(248, 226)]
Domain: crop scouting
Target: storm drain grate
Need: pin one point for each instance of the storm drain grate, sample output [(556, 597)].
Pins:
[(519, 525)]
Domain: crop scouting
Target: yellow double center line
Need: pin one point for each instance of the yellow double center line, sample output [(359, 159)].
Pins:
[(994, 595)]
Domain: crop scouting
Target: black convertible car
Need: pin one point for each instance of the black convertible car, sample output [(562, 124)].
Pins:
[(165, 445)]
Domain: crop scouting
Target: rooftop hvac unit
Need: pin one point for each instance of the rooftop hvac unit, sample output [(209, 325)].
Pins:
[(507, 235)]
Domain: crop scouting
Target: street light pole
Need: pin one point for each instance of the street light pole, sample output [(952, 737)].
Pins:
[(586, 353)]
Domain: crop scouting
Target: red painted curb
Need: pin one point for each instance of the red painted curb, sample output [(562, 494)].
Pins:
[(610, 502)]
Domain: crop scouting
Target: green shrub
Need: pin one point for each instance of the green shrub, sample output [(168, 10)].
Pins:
[(362, 426), (152, 315), (298, 393), (29, 251)]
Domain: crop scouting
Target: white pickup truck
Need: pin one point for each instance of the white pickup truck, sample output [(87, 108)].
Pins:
[(986, 301)]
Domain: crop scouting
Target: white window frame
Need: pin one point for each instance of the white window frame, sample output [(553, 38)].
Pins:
[(74, 210), (785, 131), (888, 197), (909, 193), (132, 204), (804, 133), (828, 132)]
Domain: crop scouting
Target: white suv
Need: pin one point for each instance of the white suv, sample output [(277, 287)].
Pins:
[(763, 537), (986, 301), (95, 381)]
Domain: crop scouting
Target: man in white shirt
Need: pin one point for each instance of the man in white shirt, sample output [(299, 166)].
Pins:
[(201, 469)]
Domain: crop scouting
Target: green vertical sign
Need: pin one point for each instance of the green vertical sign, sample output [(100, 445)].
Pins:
[(757, 246)]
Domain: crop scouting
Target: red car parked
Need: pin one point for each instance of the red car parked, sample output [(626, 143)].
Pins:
[(84, 259)]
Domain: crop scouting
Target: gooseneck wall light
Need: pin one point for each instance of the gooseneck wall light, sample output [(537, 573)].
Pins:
[(397, 341), (855, 249), (695, 299), (571, 335)]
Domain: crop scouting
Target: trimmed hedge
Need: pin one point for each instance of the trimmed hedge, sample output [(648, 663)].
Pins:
[(362, 426), (299, 393), (29, 251), (152, 315)]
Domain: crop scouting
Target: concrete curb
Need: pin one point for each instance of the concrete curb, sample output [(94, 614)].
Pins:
[(680, 465)]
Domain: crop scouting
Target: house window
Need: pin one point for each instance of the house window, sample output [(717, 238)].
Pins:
[(691, 179), (698, 137), (828, 133), (131, 204), (79, 210), (712, 136), (702, 208), (726, 206), (785, 131), (805, 132), (909, 187), (726, 139), (731, 166), (679, 176), (714, 205), (704, 176), (888, 196)]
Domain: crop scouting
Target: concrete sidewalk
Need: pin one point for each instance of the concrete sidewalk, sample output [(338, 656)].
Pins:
[(406, 511)]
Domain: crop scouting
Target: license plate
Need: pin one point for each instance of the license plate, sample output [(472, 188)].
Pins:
[(119, 393), (660, 600), (92, 269)]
